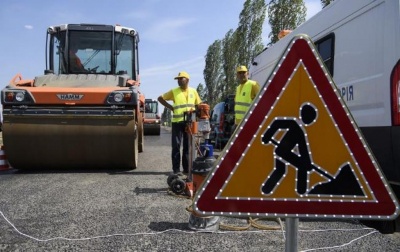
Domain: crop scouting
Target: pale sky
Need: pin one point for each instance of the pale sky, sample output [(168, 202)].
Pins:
[(174, 35)]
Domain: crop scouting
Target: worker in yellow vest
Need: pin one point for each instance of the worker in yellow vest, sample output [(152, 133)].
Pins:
[(184, 99), (246, 91)]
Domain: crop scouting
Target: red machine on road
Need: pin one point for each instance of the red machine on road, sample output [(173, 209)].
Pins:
[(152, 120)]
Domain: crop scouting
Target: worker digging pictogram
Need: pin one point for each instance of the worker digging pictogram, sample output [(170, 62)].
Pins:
[(297, 152), (292, 149)]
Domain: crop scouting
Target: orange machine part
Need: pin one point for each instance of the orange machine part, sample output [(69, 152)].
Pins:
[(48, 95), (197, 181), (203, 111), (192, 128), (18, 81)]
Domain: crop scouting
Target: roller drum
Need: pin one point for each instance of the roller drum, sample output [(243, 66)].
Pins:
[(71, 142)]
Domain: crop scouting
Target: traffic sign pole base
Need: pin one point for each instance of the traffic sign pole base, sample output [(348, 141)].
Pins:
[(291, 230), (204, 223)]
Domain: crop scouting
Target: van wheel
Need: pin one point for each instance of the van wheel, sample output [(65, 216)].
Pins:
[(384, 227)]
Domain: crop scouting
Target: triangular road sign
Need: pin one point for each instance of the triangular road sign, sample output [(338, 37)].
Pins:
[(298, 152)]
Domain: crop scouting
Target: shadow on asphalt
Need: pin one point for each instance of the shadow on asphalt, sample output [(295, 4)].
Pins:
[(139, 190), (384, 227), (163, 226), (133, 172), (344, 220)]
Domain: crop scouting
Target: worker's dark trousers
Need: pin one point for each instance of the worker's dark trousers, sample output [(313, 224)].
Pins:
[(178, 133)]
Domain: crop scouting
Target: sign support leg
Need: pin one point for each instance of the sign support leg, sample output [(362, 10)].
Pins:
[(291, 228)]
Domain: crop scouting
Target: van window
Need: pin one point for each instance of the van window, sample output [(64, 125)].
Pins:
[(326, 48)]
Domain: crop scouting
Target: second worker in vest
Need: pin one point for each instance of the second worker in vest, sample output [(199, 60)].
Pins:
[(184, 99), (246, 91)]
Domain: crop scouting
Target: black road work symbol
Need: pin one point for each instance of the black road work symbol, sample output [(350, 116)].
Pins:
[(293, 149)]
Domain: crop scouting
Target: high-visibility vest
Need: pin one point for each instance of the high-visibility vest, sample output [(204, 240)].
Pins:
[(183, 104), (243, 99)]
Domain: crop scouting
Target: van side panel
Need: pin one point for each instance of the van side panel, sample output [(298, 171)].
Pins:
[(359, 67), (367, 47)]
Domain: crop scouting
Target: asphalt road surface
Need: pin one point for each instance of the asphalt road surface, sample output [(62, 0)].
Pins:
[(113, 210)]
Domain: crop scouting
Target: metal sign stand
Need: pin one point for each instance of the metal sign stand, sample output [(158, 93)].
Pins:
[(291, 228)]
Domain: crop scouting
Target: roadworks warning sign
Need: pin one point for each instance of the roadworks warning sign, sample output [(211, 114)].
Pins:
[(298, 152)]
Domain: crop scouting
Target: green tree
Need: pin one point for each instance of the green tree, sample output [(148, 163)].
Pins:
[(230, 62), (285, 15), (202, 92), (213, 73), (238, 47), (249, 31)]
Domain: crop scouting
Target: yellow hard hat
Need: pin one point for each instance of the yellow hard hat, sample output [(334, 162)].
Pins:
[(241, 69), (182, 75)]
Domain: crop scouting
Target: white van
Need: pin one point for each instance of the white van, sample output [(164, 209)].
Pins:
[(359, 41)]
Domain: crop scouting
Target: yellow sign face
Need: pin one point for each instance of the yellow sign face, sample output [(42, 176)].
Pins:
[(326, 148)]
